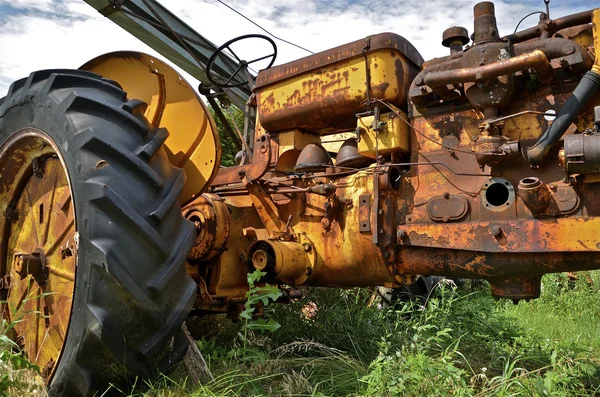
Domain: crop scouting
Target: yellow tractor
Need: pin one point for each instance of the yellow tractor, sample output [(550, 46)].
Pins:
[(359, 166)]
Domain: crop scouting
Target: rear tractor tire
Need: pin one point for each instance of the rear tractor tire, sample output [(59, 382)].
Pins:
[(93, 242)]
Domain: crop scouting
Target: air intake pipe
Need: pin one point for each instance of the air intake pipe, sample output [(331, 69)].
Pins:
[(587, 88)]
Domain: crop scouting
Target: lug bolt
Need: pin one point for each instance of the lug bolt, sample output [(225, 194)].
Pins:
[(18, 263)]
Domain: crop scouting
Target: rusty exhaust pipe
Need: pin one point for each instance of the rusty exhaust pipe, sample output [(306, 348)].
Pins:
[(548, 27), (535, 59)]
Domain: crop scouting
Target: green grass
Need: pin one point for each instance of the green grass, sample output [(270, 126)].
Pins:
[(464, 344)]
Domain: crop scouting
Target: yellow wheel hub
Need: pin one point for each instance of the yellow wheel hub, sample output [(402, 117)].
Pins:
[(40, 249)]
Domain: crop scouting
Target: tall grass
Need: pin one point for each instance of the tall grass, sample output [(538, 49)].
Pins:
[(18, 376), (464, 343)]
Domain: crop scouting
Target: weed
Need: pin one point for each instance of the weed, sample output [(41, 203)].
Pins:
[(18, 376), (464, 343)]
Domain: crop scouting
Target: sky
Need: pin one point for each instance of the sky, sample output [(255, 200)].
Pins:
[(44, 34)]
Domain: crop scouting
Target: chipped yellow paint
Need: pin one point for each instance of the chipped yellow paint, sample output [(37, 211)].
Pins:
[(596, 32)]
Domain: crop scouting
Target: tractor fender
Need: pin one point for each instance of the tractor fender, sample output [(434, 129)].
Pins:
[(192, 142)]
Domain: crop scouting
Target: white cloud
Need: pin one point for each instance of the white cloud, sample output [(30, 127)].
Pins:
[(41, 5), (66, 33)]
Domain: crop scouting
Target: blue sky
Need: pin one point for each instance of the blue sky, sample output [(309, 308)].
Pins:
[(41, 34)]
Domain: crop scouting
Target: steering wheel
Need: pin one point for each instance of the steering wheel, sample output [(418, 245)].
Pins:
[(228, 81)]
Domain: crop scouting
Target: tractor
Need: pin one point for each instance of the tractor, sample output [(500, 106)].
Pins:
[(359, 166)]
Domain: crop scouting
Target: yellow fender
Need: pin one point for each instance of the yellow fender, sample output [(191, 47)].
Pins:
[(193, 143), (596, 32)]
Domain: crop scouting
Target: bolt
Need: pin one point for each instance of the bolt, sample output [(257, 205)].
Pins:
[(496, 231), (446, 195), (346, 201), (474, 138), (549, 24), (568, 49), (400, 234), (380, 212), (18, 263), (241, 173), (419, 80), (309, 271), (307, 247), (553, 187)]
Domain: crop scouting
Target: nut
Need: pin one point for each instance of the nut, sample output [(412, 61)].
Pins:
[(496, 231)]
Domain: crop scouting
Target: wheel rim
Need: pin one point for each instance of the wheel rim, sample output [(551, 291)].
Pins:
[(39, 245)]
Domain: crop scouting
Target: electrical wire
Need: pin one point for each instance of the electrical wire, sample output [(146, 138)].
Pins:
[(525, 17), (374, 169), (472, 194), (431, 139), (263, 29)]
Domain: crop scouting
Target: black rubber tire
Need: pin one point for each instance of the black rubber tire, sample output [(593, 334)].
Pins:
[(132, 292)]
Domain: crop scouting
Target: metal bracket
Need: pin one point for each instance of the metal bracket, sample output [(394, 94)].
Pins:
[(249, 172), (268, 212), (364, 213), (37, 168), (11, 212)]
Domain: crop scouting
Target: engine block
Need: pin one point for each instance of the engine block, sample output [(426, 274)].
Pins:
[(371, 167)]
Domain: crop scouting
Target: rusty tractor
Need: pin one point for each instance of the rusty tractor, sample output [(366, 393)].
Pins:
[(362, 165)]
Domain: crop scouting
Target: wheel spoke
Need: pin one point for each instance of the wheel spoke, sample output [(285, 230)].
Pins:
[(37, 314), (233, 75), (33, 225), (62, 274), (49, 219), (61, 237), (261, 58), (234, 54), (22, 298)]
